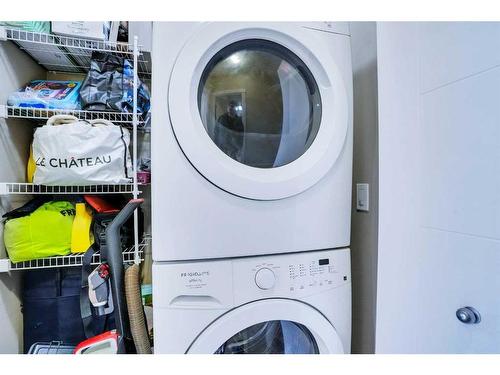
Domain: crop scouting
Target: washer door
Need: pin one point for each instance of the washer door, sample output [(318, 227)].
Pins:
[(272, 326), (260, 110)]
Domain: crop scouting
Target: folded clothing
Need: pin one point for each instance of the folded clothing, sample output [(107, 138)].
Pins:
[(47, 94)]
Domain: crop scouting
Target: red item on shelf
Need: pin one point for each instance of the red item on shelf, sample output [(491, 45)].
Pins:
[(100, 205)]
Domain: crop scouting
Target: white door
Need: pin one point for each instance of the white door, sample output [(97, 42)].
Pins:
[(438, 288), (273, 326), (283, 122)]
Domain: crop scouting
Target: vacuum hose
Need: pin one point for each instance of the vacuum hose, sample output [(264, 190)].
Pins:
[(135, 311), (113, 255)]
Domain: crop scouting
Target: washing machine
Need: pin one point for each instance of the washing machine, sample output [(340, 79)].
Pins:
[(291, 303), (251, 139)]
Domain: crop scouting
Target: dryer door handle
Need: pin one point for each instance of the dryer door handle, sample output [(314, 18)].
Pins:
[(195, 301)]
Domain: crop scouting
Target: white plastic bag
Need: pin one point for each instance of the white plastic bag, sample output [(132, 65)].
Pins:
[(69, 151)]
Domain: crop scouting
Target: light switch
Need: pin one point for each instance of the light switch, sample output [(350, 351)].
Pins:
[(362, 197)]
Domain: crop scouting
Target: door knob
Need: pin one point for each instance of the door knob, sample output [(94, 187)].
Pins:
[(468, 315)]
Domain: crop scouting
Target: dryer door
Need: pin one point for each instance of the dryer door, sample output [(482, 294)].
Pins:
[(260, 110), (272, 326)]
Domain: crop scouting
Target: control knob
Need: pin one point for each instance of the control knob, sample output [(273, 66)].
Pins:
[(265, 278)]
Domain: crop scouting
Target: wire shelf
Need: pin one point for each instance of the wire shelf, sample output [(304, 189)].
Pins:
[(74, 260), (43, 114), (11, 188), (70, 54)]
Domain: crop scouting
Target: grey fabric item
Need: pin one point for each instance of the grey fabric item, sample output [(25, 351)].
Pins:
[(102, 89), (109, 86)]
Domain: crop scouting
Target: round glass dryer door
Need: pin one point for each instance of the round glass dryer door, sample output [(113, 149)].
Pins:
[(259, 103), (272, 337), (259, 110)]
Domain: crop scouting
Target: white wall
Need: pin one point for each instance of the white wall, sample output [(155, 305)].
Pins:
[(364, 228), (16, 68), (439, 201)]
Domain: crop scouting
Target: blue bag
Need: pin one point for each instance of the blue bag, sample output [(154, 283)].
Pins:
[(51, 307)]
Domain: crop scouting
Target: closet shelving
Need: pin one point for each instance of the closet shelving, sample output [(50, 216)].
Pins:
[(43, 114), (71, 260), (70, 54), (73, 55), (11, 188)]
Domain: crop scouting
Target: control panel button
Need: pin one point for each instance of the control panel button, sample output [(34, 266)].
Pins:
[(265, 278)]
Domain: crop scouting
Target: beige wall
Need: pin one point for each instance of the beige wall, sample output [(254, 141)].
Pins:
[(263, 112), (16, 68), (365, 170)]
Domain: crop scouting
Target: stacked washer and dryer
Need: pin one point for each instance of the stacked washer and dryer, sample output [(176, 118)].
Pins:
[(252, 165)]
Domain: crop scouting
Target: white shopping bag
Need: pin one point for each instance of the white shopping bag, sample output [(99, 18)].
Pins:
[(69, 151)]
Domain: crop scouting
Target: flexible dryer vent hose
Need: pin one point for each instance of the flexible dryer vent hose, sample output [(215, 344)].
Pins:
[(135, 310)]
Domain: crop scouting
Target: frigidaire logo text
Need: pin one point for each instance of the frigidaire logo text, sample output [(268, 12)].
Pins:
[(195, 274), (74, 162)]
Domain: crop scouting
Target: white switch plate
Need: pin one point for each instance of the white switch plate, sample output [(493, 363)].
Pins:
[(362, 197)]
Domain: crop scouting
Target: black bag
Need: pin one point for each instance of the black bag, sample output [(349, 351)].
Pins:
[(28, 208), (51, 307), (109, 86), (100, 222)]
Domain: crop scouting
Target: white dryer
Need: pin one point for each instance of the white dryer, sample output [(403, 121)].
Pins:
[(251, 139), (293, 303)]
